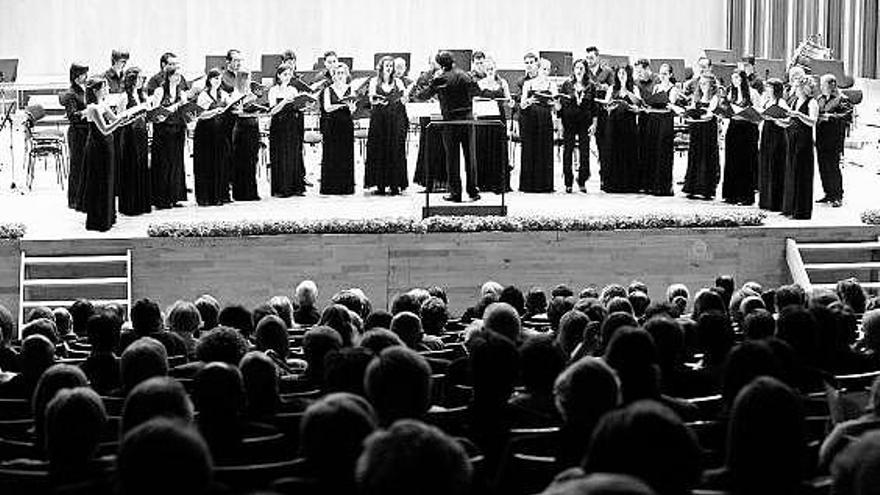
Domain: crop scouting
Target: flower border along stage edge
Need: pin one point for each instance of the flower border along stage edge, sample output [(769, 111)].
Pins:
[(716, 218), (871, 217), (11, 230)]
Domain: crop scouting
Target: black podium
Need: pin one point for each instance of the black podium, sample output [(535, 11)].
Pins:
[(458, 209)]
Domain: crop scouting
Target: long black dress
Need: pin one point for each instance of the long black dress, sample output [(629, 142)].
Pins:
[(703, 168), (771, 172), (797, 190), (210, 158), (286, 153), (134, 168), (245, 154), (386, 144), (536, 159), (166, 162), (430, 150), (621, 172), (74, 102), (657, 153), (492, 160), (337, 161), (740, 162), (98, 162)]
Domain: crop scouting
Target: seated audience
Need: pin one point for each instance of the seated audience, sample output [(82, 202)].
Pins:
[(144, 358), (238, 317), (209, 311), (846, 432), (434, 316), (157, 397), (541, 362), (377, 339), (514, 297), (378, 319), (102, 365), (758, 325), (339, 318), (571, 332), (271, 338), (851, 293), (63, 324), (283, 308), (80, 312), (71, 450), (598, 484), (495, 367), (536, 303), (856, 471), (37, 355), (223, 344), (502, 319), (344, 370), (306, 295), (8, 354), (261, 386), (184, 320), (317, 343), (146, 321), (57, 377)]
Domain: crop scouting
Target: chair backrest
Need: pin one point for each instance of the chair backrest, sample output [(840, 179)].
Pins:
[(708, 406), (452, 420), (254, 476), (113, 405), (268, 448), (15, 481), (288, 424), (15, 409), (16, 429)]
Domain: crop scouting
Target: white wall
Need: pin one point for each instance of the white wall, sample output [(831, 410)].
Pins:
[(46, 35)]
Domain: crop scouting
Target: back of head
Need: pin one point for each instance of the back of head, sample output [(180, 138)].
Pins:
[(7, 325), (799, 328), (585, 391), (648, 441), (398, 384), (144, 358), (765, 437), (747, 361), (146, 317), (412, 457), (639, 301), (541, 362), (613, 323), (503, 319), (536, 301), (727, 283), (338, 317), (317, 342), (271, 334), (237, 317), (714, 335), (209, 311), (283, 308), (851, 293), (306, 294), (494, 366), (74, 423), (377, 319), (37, 354), (57, 377), (514, 297), (184, 317), (157, 397), (219, 392), (611, 291), (40, 313), (408, 327), (434, 315), (856, 470), (677, 290), (62, 321), (224, 344), (559, 306), (789, 295), (571, 331), (668, 339), (332, 432), (405, 302), (103, 330), (344, 370), (620, 305), (351, 300), (708, 300), (80, 312), (41, 326), (260, 312), (632, 354), (378, 339), (871, 329), (261, 384), (164, 456), (599, 484), (759, 324)]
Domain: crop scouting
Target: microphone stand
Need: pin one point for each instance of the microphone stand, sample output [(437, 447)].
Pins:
[(7, 120)]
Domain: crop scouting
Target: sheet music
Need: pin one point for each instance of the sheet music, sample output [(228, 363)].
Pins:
[(417, 110)]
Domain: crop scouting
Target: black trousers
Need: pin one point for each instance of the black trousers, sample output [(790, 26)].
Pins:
[(829, 172), (455, 137), (579, 131)]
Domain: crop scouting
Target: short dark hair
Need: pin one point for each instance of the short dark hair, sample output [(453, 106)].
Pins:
[(530, 55), (80, 311), (851, 293), (57, 377), (759, 324), (344, 370), (103, 330), (478, 55), (7, 324), (209, 309), (238, 317), (536, 300), (561, 290), (787, 295), (261, 311), (571, 331), (223, 344), (444, 60), (332, 432), (377, 319), (330, 53), (164, 446), (145, 358), (408, 327), (76, 70), (399, 460), (117, 55), (338, 317), (40, 312), (79, 406), (146, 317), (62, 321), (434, 315), (42, 326), (513, 296), (231, 53), (317, 342), (271, 334), (159, 396), (592, 49), (437, 291), (398, 384), (218, 391), (643, 63), (378, 339), (261, 384), (163, 60), (541, 362)]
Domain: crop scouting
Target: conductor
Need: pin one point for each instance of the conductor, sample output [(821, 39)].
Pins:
[(455, 89)]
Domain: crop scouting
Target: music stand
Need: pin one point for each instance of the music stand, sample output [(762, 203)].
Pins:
[(615, 61), (767, 68), (560, 62), (461, 58), (404, 55), (8, 70), (460, 209), (212, 61), (723, 72), (676, 64), (269, 63), (720, 56)]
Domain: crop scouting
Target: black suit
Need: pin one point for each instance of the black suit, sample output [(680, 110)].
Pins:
[(578, 112), (455, 89), (830, 135)]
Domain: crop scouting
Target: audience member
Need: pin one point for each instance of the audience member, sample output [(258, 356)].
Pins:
[(184, 320), (144, 358), (237, 317), (57, 377), (8, 354), (344, 370), (306, 312), (398, 384), (378, 319), (80, 312), (856, 471), (378, 339), (209, 311), (317, 343), (261, 386), (338, 317), (37, 355), (283, 308), (157, 397), (75, 421), (146, 321), (541, 362), (514, 297), (503, 319)]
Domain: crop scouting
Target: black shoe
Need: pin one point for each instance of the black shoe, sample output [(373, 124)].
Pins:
[(308, 184), (394, 192), (583, 188), (475, 196), (452, 198), (836, 203), (568, 189), (826, 199), (380, 192)]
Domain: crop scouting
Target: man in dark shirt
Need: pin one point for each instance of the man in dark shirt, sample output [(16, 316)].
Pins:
[(118, 60), (747, 65), (168, 64), (233, 67), (600, 74), (645, 78), (455, 89)]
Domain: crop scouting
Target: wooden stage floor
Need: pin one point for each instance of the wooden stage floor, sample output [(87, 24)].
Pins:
[(44, 208)]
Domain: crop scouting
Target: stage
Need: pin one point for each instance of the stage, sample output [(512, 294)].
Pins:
[(43, 210)]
